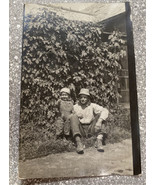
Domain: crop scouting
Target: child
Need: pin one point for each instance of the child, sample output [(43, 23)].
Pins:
[(65, 107)]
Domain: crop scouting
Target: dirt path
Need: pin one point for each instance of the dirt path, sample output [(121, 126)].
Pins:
[(117, 159)]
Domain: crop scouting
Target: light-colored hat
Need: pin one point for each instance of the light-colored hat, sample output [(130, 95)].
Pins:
[(66, 90), (85, 92)]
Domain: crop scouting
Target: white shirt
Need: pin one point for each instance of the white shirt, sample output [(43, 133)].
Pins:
[(86, 115)]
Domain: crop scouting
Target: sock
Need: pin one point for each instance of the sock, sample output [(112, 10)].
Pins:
[(100, 136), (77, 138)]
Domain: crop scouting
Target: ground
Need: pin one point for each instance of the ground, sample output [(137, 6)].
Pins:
[(116, 159)]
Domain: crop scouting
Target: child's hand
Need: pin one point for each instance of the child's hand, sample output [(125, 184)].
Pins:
[(80, 115), (62, 115)]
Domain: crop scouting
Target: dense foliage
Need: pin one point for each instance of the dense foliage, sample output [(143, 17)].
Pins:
[(61, 53)]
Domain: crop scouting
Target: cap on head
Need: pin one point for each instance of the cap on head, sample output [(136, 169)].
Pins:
[(84, 91), (66, 90)]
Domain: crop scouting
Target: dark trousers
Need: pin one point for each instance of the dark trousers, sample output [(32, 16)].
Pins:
[(85, 130), (73, 124)]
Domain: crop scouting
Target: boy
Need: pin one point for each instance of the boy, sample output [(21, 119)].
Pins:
[(65, 107)]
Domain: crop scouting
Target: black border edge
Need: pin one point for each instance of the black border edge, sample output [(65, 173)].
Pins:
[(133, 95)]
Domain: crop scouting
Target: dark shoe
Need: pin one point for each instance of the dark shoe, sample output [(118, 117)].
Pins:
[(99, 145)]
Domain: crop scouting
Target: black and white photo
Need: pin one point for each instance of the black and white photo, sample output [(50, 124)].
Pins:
[(76, 118)]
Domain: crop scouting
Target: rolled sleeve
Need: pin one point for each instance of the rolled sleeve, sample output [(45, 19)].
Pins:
[(104, 114), (100, 110)]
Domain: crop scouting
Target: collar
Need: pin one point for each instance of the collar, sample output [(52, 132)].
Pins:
[(84, 106)]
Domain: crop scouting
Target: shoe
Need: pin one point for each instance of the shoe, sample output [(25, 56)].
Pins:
[(79, 148), (99, 145), (79, 145)]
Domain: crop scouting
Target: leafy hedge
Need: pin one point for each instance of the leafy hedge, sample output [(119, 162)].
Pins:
[(61, 53)]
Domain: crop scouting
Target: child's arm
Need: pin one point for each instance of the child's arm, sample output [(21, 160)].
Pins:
[(73, 112), (57, 106)]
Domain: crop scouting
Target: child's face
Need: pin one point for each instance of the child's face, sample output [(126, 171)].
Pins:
[(64, 96)]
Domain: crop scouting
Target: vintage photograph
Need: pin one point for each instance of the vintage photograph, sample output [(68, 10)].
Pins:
[(75, 118)]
